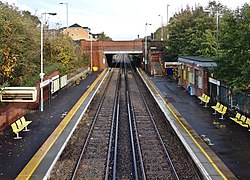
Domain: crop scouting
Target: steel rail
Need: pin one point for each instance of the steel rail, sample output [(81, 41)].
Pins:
[(116, 119), (129, 110), (90, 131), (157, 131)]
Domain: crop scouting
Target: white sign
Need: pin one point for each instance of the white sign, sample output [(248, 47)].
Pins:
[(214, 81), (63, 81), (55, 86), (55, 77), (44, 83)]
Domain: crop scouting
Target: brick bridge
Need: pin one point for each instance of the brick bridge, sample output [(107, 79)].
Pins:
[(103, 51)]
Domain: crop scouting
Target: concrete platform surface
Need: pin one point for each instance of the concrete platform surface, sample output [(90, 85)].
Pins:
[(15, 154), (228, 140)]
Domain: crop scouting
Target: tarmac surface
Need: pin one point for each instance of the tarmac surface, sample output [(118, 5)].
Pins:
[(228, 140), (15, 154)]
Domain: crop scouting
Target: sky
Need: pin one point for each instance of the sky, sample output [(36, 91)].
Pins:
[(120, 20)]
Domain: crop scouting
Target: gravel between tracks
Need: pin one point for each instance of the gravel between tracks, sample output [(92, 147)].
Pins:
[(182, 162)]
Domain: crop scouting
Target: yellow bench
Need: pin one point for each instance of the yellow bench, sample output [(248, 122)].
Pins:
[(16, 130), (241, 120), (222, 111), (246, 124), (19, 125), (220, 108), (236, 118), (216, 107), (204, 98)]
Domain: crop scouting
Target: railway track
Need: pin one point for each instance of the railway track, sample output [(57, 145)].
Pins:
[(95, 156), (123, 141), (154, 158)]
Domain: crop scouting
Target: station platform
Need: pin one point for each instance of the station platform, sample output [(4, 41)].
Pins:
[(15, 154), (227, 141)]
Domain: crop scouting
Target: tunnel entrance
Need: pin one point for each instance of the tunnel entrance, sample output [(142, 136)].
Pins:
[(113, 59)]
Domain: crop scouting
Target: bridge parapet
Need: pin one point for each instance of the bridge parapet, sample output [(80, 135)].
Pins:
[(112, 45), (100, 48)]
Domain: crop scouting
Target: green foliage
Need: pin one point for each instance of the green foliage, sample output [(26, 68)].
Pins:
[(192, 32), (20, 49), (234, 64), (104, 37)]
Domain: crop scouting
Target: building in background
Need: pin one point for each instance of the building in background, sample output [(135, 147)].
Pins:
[(194, 73), (77, 33)]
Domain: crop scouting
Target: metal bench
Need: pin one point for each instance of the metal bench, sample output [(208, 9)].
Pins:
[(19, 125)]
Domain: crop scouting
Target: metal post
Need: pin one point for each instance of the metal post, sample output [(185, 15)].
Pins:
[(67, 15), (146, 48), (91, 50), (162, 28), (217, 33), (167, 24), (41, 74)]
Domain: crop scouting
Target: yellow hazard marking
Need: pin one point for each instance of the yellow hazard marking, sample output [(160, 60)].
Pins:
[(29, 169), (178, 119)]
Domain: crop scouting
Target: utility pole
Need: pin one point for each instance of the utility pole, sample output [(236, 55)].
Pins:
[(167, 25)]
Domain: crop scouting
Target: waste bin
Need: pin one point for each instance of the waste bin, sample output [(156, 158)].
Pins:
[(191, 90)]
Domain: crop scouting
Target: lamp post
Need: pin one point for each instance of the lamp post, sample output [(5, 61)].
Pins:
[(167, 24), (161, 27), (146, 48), (91, 50), (217, 33), (217, 30), (42, 73), (67, 14)]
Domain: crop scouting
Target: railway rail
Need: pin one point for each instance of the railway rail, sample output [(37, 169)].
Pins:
[(124, 140), (153, 155)]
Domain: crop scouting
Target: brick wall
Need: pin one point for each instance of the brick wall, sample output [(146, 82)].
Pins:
[(9, 112)]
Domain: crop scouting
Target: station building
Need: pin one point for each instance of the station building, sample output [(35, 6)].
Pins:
[(194, 73)]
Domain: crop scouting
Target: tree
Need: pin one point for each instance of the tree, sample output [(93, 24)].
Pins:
[(104, 37), (20, 49), (233, 63), (191, 32)]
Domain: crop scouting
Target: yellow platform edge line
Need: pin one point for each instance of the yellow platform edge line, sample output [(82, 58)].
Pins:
[(31, 166), (184, 127)]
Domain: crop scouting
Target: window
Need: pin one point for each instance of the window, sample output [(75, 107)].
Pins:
[(196, 72)]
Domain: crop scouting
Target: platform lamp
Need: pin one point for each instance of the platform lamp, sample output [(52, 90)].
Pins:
[(67, 14), (167, 24), (217, 29), (42, 73), (162, 28), (145, 46)]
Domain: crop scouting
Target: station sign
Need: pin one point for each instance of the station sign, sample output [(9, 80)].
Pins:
[(44, 83), (214, 81)]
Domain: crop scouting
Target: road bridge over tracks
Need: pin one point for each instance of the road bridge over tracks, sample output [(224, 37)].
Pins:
[(102, 51)]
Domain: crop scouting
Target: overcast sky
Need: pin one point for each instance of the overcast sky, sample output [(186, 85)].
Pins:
[(120, 20)]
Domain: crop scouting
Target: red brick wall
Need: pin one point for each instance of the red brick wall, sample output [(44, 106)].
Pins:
[(10, 112), (98, 47)]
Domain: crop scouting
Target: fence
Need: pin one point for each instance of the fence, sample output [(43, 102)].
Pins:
[(238, 101)]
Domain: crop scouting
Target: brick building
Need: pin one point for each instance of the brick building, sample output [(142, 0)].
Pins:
[(77, 32), (194, 74)]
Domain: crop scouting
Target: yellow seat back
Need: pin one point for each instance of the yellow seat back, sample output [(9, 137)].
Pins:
[(248, 121), (19, 123), (14, 128), (238, 115), (221, 107), (243, 118), (224, 109)]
